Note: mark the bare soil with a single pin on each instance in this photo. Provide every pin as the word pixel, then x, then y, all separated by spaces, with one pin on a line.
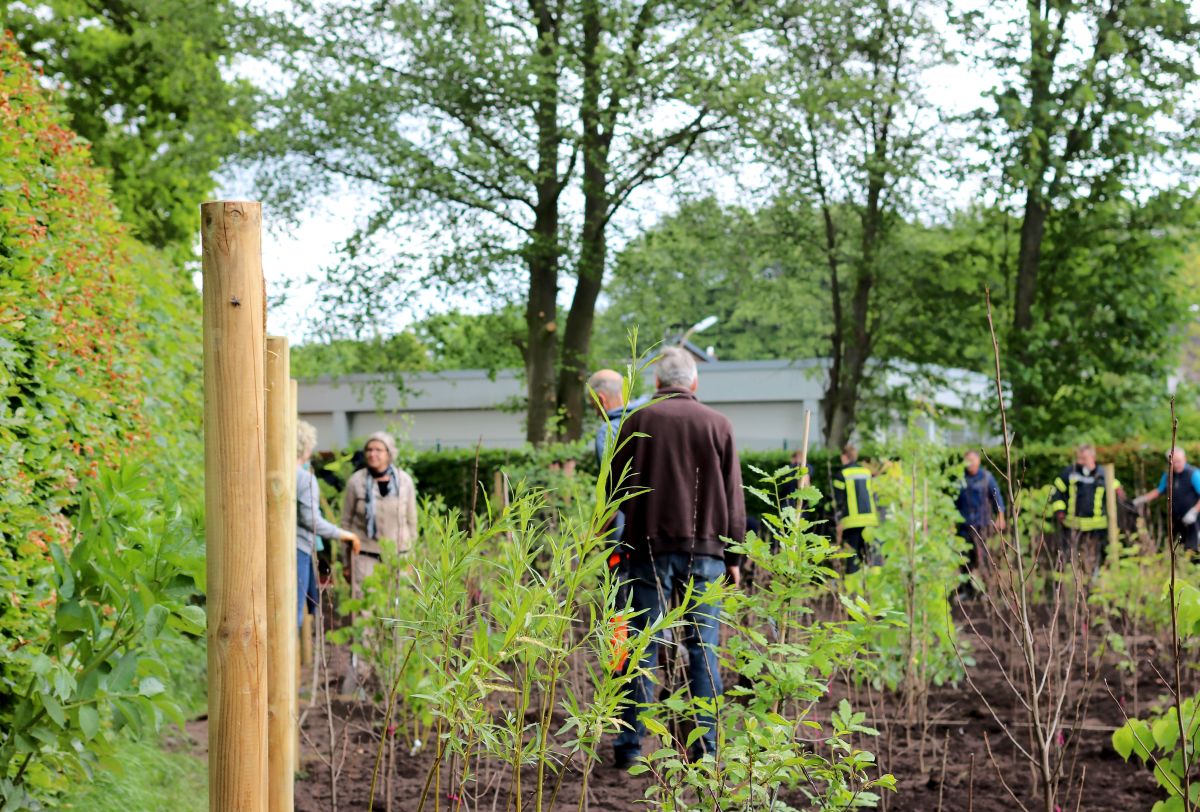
pixel 941 765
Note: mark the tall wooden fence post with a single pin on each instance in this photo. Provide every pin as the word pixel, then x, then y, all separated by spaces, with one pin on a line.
pixel 294 705
pixel 281 577
pixel 235 504
pixel 1110 503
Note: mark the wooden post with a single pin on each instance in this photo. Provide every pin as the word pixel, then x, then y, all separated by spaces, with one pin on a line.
pixel 281 578
pixel 804 448
pixel 1110 502
pixel 294 705
pixel 235 504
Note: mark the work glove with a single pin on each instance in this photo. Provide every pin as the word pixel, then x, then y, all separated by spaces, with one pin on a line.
pixel 1139 502
pixel 1189 518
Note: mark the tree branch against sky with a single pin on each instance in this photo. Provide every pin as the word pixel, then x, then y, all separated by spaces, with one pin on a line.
pixel 1092 102
pixel 514 131
pixel 847 129
pixel 144 82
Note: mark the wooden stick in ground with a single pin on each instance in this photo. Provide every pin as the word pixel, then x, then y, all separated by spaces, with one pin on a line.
pixel 1110 503
pixel 235 504
pixel 281 578
pixel 297 648
pixel 804 447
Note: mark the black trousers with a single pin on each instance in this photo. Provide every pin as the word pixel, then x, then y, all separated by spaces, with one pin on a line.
pixel 854 537
pixel 1073 542
pixel 1189 534
pixel 976 539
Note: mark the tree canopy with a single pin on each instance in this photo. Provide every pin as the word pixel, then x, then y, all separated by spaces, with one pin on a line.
pixel 144 81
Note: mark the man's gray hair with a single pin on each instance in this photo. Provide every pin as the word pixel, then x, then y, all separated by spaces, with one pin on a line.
pixel 676 367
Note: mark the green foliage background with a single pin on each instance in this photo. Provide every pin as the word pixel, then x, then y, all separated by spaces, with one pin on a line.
pixel 100 522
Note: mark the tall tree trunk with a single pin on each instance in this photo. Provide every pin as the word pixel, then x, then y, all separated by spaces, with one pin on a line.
pixel 1044 42
pixel 853 336
pixel 541 309
pixel 1029 257
pixel 593 248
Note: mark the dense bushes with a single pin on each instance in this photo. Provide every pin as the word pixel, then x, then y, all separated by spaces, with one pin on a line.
pixel 451 474
pixel 98 341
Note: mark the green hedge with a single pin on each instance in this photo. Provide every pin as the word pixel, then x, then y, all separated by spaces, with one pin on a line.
pixel 451 473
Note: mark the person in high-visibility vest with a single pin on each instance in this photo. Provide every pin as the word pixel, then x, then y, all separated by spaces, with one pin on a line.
pixel 854 500
pixel 1080 507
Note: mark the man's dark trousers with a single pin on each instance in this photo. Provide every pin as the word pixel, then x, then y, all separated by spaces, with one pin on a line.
pixel 652 585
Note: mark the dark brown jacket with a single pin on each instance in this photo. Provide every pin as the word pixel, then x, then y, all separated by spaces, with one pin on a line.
pixel 690 464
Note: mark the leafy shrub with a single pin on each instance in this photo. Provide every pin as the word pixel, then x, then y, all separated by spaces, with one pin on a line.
pixel 922 557
pixel 771 740
pixel 99 355
pixel 122 580
pixel 1157 741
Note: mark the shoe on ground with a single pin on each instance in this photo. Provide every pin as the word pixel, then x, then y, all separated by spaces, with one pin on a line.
pixel 623 761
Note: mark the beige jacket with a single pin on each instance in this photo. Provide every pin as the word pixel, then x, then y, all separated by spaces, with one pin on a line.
pixel 395 514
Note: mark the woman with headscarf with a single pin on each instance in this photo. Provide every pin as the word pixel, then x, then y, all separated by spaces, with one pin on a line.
pixel 380 507
pixel 309 522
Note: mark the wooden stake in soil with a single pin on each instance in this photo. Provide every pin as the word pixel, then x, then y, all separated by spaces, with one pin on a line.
pixel 1110 502
pixel 294 702
pixel 804 447
pixel 235 504
pixel 281 578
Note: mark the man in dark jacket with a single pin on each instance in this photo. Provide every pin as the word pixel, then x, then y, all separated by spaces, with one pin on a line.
pixel 1183 484
pixel 981 507
pixel 676 531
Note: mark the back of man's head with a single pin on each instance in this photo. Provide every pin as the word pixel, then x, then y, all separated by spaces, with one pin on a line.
pixel 849 453
pixel 609 388
pixel 677 368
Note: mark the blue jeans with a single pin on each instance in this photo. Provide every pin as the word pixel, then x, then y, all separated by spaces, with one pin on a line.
pixel 652 586
pixel 306 586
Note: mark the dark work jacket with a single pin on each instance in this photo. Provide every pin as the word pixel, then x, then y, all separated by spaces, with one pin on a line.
pixel 690 465
pixel 1183 493
pixel 979 498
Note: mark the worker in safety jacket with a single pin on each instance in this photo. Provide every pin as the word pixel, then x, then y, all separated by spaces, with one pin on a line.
pixel 1184 487
pixel 854 502
pixel 1079 503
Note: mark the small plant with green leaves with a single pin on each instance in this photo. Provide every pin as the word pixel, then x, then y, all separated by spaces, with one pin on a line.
pixel 122 581
pixel 773 747
pixel 922 559
pixel 1128 603
pixel 1158 741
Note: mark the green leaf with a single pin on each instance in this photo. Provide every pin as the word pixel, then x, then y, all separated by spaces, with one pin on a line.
pixel 192 619
pixel 121 676
pixel 1122 741
pixel 1166 731
pixel 66 578
pixel 150 686
pixel 54 710
pixel 156 619
pixel 89 721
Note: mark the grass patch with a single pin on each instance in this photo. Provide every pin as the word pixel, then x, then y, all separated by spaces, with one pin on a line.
pixel 152 779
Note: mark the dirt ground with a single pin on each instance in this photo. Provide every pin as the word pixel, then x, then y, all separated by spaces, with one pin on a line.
pixel 948 768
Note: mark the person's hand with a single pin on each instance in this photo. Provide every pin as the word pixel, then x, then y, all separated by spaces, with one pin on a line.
pixel 1000 523
pixel 1140 502
pixel 735 574
pixel 1060 517
pixel 1189 518
pixel 355 543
